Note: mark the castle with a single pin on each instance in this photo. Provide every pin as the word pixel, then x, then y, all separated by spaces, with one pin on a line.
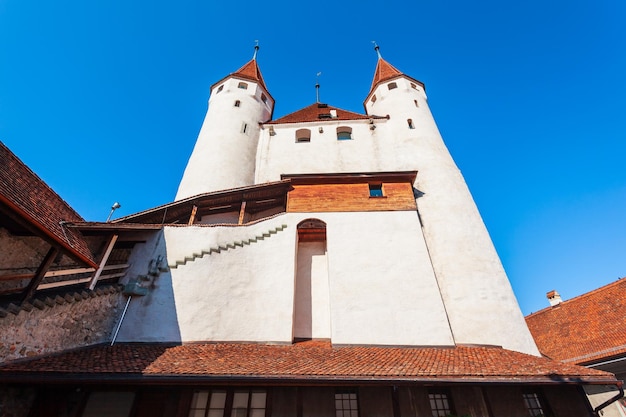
pixel 324 263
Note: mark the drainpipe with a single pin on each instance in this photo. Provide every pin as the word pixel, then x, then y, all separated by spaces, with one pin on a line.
pixel 620 394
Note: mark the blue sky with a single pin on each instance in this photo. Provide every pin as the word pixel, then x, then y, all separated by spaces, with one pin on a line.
pixel 104 101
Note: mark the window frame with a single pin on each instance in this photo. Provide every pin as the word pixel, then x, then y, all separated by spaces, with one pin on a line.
pixel 342 131
pixel 228 406
pixel 440 395
pixel 242 85
pixel 376 190
pixel 351 396
pixel 303 135
pixel 392 85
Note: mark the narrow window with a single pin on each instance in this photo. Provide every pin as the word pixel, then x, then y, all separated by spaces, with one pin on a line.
pixel 374 98
pixel 376 190
pixel 410 123
pixel 264 98
pixel 237 103
pixel 440 403
pixel 535 404
pixel 391 86
pixel 344 133
pixel 303 135
pixel 413 86
pixel 346 404
pixel 416 105
pixel 220 88
pixel 243 86
pixel 244 128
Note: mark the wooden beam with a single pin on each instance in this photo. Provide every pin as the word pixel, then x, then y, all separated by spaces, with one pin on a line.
pixel 242 212
pixel 105 258
pixel 194 210
pixel 40 274
pixel 60 272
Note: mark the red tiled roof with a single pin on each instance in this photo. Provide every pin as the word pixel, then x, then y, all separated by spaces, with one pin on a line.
pixel 251 71
pixel 385 72
pixel 300 362
pixel 32 200
pixel 312 114
pixel 583 329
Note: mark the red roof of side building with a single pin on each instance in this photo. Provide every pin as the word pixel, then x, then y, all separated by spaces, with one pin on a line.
pixel 319 112
pixel 584 329
pixel 31 200
pixel 306 362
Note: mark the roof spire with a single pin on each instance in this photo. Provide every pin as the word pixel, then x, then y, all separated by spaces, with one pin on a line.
pixel 317 87
pixel 377 49
pixel 256 49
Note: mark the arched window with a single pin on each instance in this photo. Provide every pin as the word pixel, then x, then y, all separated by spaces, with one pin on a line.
pixel 391 86
pixel 303 135
pixel 243 86
pixel 344 133
pixel 237 103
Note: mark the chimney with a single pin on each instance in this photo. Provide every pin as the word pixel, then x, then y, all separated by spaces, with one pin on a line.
pixel 554 298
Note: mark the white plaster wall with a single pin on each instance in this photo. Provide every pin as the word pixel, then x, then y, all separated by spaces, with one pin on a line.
pixel 224 155
pixel 481 306
pixel 382 287
pixel 241 294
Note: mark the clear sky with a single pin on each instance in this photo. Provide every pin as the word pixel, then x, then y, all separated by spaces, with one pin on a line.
pixel 104 101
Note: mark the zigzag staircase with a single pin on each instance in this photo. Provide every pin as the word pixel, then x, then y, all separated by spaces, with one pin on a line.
pixel 229 246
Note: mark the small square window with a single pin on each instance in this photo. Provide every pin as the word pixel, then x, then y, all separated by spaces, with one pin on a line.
pixel 391 86
pixel 243 86
pixel 374 98
pixel 237 103
pixel 376 190
pixel 413 86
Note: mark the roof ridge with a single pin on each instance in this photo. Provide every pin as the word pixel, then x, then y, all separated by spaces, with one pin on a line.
pixel 580 296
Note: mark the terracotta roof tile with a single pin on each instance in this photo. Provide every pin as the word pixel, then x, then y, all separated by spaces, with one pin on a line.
pixel 385 72
pixel 583 329
pixel 318 112
pixel 34 201
pixel 307 361
pixel 251 71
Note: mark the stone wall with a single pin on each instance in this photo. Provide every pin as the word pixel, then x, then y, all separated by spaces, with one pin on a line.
pixel 66 323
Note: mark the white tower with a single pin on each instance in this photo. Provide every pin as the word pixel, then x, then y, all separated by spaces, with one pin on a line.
pixel 225 151
pixel 479 300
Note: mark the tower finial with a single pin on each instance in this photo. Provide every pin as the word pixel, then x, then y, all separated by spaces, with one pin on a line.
pixel 256 48
pixel 377 49
pixel 317 87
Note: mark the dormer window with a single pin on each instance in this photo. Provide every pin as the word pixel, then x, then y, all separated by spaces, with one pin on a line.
pixel 243 86
pixel 303 135
pixel 344 133
pixel 391 86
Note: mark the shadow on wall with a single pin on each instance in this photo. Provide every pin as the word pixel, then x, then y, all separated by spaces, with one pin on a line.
pixel 150 304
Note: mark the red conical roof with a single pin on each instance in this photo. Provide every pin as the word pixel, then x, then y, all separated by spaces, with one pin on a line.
pixel 384 71
pixel 251 71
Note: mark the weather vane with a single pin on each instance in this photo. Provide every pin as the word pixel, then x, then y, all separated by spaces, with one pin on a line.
pixel 256 48
pixel 317 86
pixel 377 49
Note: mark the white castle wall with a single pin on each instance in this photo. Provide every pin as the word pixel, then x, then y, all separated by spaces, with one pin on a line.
pixel 381 287
pixel 225 151
pixel 481 306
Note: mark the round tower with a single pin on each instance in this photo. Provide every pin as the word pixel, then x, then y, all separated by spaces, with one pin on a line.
pixel 477 295
pixel 225 152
